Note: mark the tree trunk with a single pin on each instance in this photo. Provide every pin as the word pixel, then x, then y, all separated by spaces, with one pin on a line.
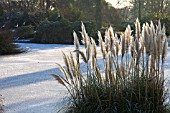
pixel 48 4
pixel 98 14
pixel 139 10
pixel 9 5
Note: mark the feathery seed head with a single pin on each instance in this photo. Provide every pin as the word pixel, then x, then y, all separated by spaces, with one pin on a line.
pixel 88 50
pixel 100 37
pixel 66 60
pixel 111 32
pixel 107 40
pixel 94 49
pixel 76 41
pixel 127 38
pixel 159 26
pixel 110 60
pixel 102 45
pixel 165 50
pixel 137 25
pixel 84 35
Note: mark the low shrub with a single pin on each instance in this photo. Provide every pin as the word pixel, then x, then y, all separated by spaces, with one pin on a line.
pixel 53 32
pixel 129 78
pixel 7 46
pixel 24 32
pixel 60 31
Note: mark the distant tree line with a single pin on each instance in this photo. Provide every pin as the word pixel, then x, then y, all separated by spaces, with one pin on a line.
pixel 155 10
pixel 144 7
pixel 29 18
pixel 146 10
pixel 56 14
pixel 72 10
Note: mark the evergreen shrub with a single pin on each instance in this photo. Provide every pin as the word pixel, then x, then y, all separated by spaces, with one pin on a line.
pixel 7 46
pixel 60 31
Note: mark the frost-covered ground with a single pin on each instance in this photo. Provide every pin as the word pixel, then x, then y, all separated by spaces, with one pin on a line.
pixel 25 82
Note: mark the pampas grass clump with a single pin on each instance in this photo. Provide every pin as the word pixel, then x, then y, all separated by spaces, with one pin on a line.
pixel 130 78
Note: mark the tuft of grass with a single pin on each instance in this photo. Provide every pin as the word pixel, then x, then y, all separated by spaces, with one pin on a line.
pixel 130 78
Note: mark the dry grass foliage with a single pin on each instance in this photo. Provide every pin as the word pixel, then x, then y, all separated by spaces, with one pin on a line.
pixel 130 79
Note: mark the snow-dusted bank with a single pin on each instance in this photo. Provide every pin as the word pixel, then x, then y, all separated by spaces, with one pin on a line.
pixel 25 84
